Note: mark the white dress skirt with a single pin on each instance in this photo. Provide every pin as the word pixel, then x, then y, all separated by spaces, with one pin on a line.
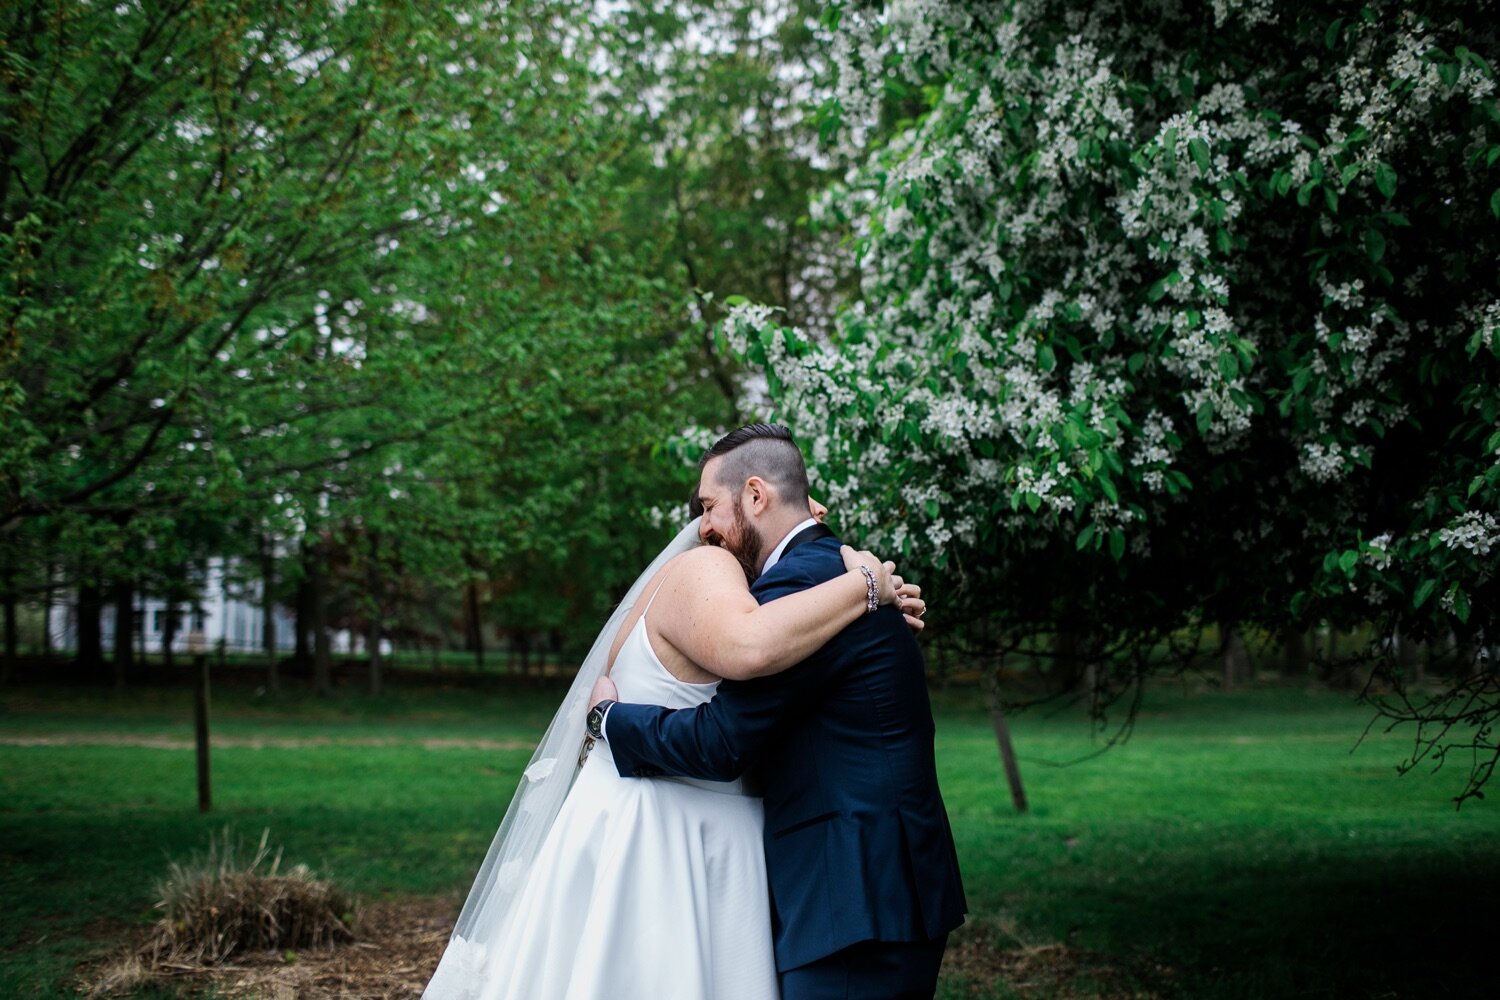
pixel 645 888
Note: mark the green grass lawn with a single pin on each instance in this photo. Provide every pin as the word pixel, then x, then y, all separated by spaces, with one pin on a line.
pixel 1235 847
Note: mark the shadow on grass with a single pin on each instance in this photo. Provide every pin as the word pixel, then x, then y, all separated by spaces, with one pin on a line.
pixel 1414 929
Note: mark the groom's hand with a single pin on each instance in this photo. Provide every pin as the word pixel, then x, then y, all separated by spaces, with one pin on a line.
pixel 604 688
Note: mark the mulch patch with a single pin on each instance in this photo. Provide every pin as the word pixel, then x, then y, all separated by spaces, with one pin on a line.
pixel 399 942
pixel 981 958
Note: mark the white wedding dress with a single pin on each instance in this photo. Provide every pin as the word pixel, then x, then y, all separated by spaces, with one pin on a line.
pixel 644 888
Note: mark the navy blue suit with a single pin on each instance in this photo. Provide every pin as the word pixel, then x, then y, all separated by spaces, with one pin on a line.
pixel 857 841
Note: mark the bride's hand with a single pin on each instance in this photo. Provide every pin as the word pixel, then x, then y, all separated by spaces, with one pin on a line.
pixel 886 580
pixel 909 600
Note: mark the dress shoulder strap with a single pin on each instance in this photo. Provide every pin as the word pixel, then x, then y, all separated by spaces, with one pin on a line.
pixel 661 583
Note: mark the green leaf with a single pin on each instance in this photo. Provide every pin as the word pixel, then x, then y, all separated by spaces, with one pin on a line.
pixel 1109 489
pixel 1033 501
pixel 1385 179
pixel 1116 543
pixel 1046 358
pixel 735 300
pixel 1331 36
pixel 1205 416
pixel 1495 203
pixel 1424 591
pixel 1460 603
pixel 1085 537
pixel 1198 149
pixel 1228 366
pixel 1348 561
pixel 1348 174
pixel 1374 244
pixel 1304 193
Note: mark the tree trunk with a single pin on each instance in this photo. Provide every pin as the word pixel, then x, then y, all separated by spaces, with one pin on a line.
pixel 1335 674
pixel 268 612
pixel 47 615
pixel 475 626
pixel 200 730
pixel 124 631
pixel 1409 656
pixel 303 652
pixel 90 637
pixel 1468 657
pixel 372 640
pixel 141 661
pixel 169 635
pixel 322 654
pixel 1068 666
pixel 1236 659
pixel 8 663
pixel 372 632
pixel 1002 739
pixel 1294 653
pixel 523 646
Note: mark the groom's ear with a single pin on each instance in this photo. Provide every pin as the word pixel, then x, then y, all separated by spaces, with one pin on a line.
pixel 759 492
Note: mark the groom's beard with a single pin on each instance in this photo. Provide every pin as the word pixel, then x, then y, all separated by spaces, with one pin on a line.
pixel 746 546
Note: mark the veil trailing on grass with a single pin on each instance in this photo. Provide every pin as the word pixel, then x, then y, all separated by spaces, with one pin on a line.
pixel 544 785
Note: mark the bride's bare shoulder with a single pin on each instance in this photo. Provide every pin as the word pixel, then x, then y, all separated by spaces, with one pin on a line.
pixel 707 559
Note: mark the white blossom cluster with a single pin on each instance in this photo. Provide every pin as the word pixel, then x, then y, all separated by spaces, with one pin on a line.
pixel 1486 326
pixel 1060 292
pixel 1474 531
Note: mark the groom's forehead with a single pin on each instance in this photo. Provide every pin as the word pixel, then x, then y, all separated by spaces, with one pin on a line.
pixel 708 479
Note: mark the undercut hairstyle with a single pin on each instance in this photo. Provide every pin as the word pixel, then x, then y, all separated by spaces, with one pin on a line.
pixel 764 450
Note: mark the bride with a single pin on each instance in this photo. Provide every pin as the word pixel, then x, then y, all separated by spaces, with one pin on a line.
pixel 598 886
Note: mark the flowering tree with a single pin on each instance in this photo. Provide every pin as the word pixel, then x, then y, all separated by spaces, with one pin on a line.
pixel 1167 310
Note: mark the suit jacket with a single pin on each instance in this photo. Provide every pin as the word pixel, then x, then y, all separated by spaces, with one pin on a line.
pixel 857 840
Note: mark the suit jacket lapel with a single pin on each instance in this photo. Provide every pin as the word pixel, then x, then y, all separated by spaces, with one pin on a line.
pixel 809 534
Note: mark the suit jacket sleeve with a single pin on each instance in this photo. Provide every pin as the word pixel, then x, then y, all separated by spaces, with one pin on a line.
pixel 720 739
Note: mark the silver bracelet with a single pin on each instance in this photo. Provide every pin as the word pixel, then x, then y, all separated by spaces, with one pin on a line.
pixel 872 592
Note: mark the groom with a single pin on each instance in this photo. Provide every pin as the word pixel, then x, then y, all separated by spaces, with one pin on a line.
pixel 864 877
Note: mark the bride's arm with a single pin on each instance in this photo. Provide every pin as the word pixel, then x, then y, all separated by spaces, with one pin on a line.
pixel 706 612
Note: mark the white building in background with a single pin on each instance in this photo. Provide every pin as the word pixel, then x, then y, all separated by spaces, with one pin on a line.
pixel 225 613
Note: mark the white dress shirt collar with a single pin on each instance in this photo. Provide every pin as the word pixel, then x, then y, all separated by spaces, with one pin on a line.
pixel 780 548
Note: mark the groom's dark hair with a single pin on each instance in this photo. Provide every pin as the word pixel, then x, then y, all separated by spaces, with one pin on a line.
pixel 764 450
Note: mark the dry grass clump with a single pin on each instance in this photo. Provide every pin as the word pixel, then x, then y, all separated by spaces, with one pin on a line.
pixel 224 902
pixel 400 941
